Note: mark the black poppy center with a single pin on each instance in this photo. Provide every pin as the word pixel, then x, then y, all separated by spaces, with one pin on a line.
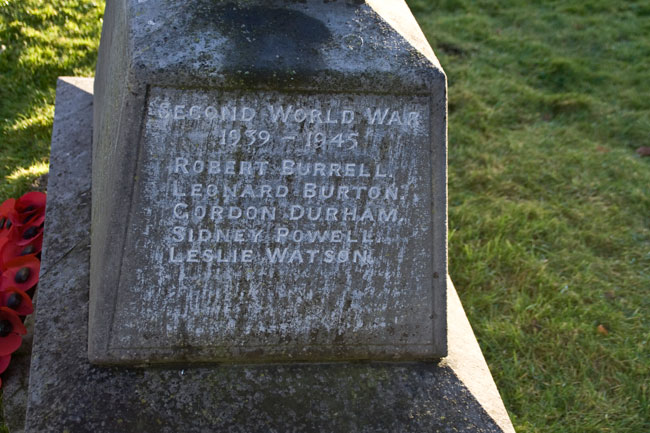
pixel 30 232
pixel 5 328
pixel 22 275
pixel 29 249
pixel 14 300
pixel 2 222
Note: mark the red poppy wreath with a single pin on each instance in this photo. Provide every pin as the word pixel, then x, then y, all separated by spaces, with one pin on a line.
pixel 21 240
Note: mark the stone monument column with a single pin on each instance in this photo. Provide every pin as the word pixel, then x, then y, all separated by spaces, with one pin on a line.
pixel 269 184
pixel 267 250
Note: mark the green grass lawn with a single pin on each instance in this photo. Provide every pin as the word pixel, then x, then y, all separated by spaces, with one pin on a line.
pixel 39 41
pixel 549 211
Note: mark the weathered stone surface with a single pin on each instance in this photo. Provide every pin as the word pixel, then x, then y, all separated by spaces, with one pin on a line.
pixel 15 381
pixel 67 393
pixel 14 393
pixel 74 190
pixel 266 191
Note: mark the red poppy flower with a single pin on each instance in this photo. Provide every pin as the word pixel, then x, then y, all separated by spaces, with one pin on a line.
pixel 31 201
pixel 21 273
pixel 11 329
pixel 17 300
pixel 4 363
pixel 31 208
pixel 32 218
pixel 11 233
pixel 8 207
pixel 8 217
pixel 11 250
pixel 27 234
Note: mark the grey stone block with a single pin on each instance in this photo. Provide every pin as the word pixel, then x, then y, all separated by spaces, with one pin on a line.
pixel 269 184
pixel 15 383
pixel 69 394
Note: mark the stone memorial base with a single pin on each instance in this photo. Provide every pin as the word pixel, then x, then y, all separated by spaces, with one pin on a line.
pixel 68 394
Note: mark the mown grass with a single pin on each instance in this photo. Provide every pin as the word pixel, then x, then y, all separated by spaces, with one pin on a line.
pixel 39 41
pixel 549 203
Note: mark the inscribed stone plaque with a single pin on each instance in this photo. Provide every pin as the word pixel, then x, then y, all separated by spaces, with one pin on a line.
pixel 277 226
pixel 265 191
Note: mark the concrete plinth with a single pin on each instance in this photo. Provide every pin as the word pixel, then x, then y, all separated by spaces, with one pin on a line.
pixel 68 394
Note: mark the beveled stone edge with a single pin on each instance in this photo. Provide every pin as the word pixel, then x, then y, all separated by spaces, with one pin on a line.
pixel 468 363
